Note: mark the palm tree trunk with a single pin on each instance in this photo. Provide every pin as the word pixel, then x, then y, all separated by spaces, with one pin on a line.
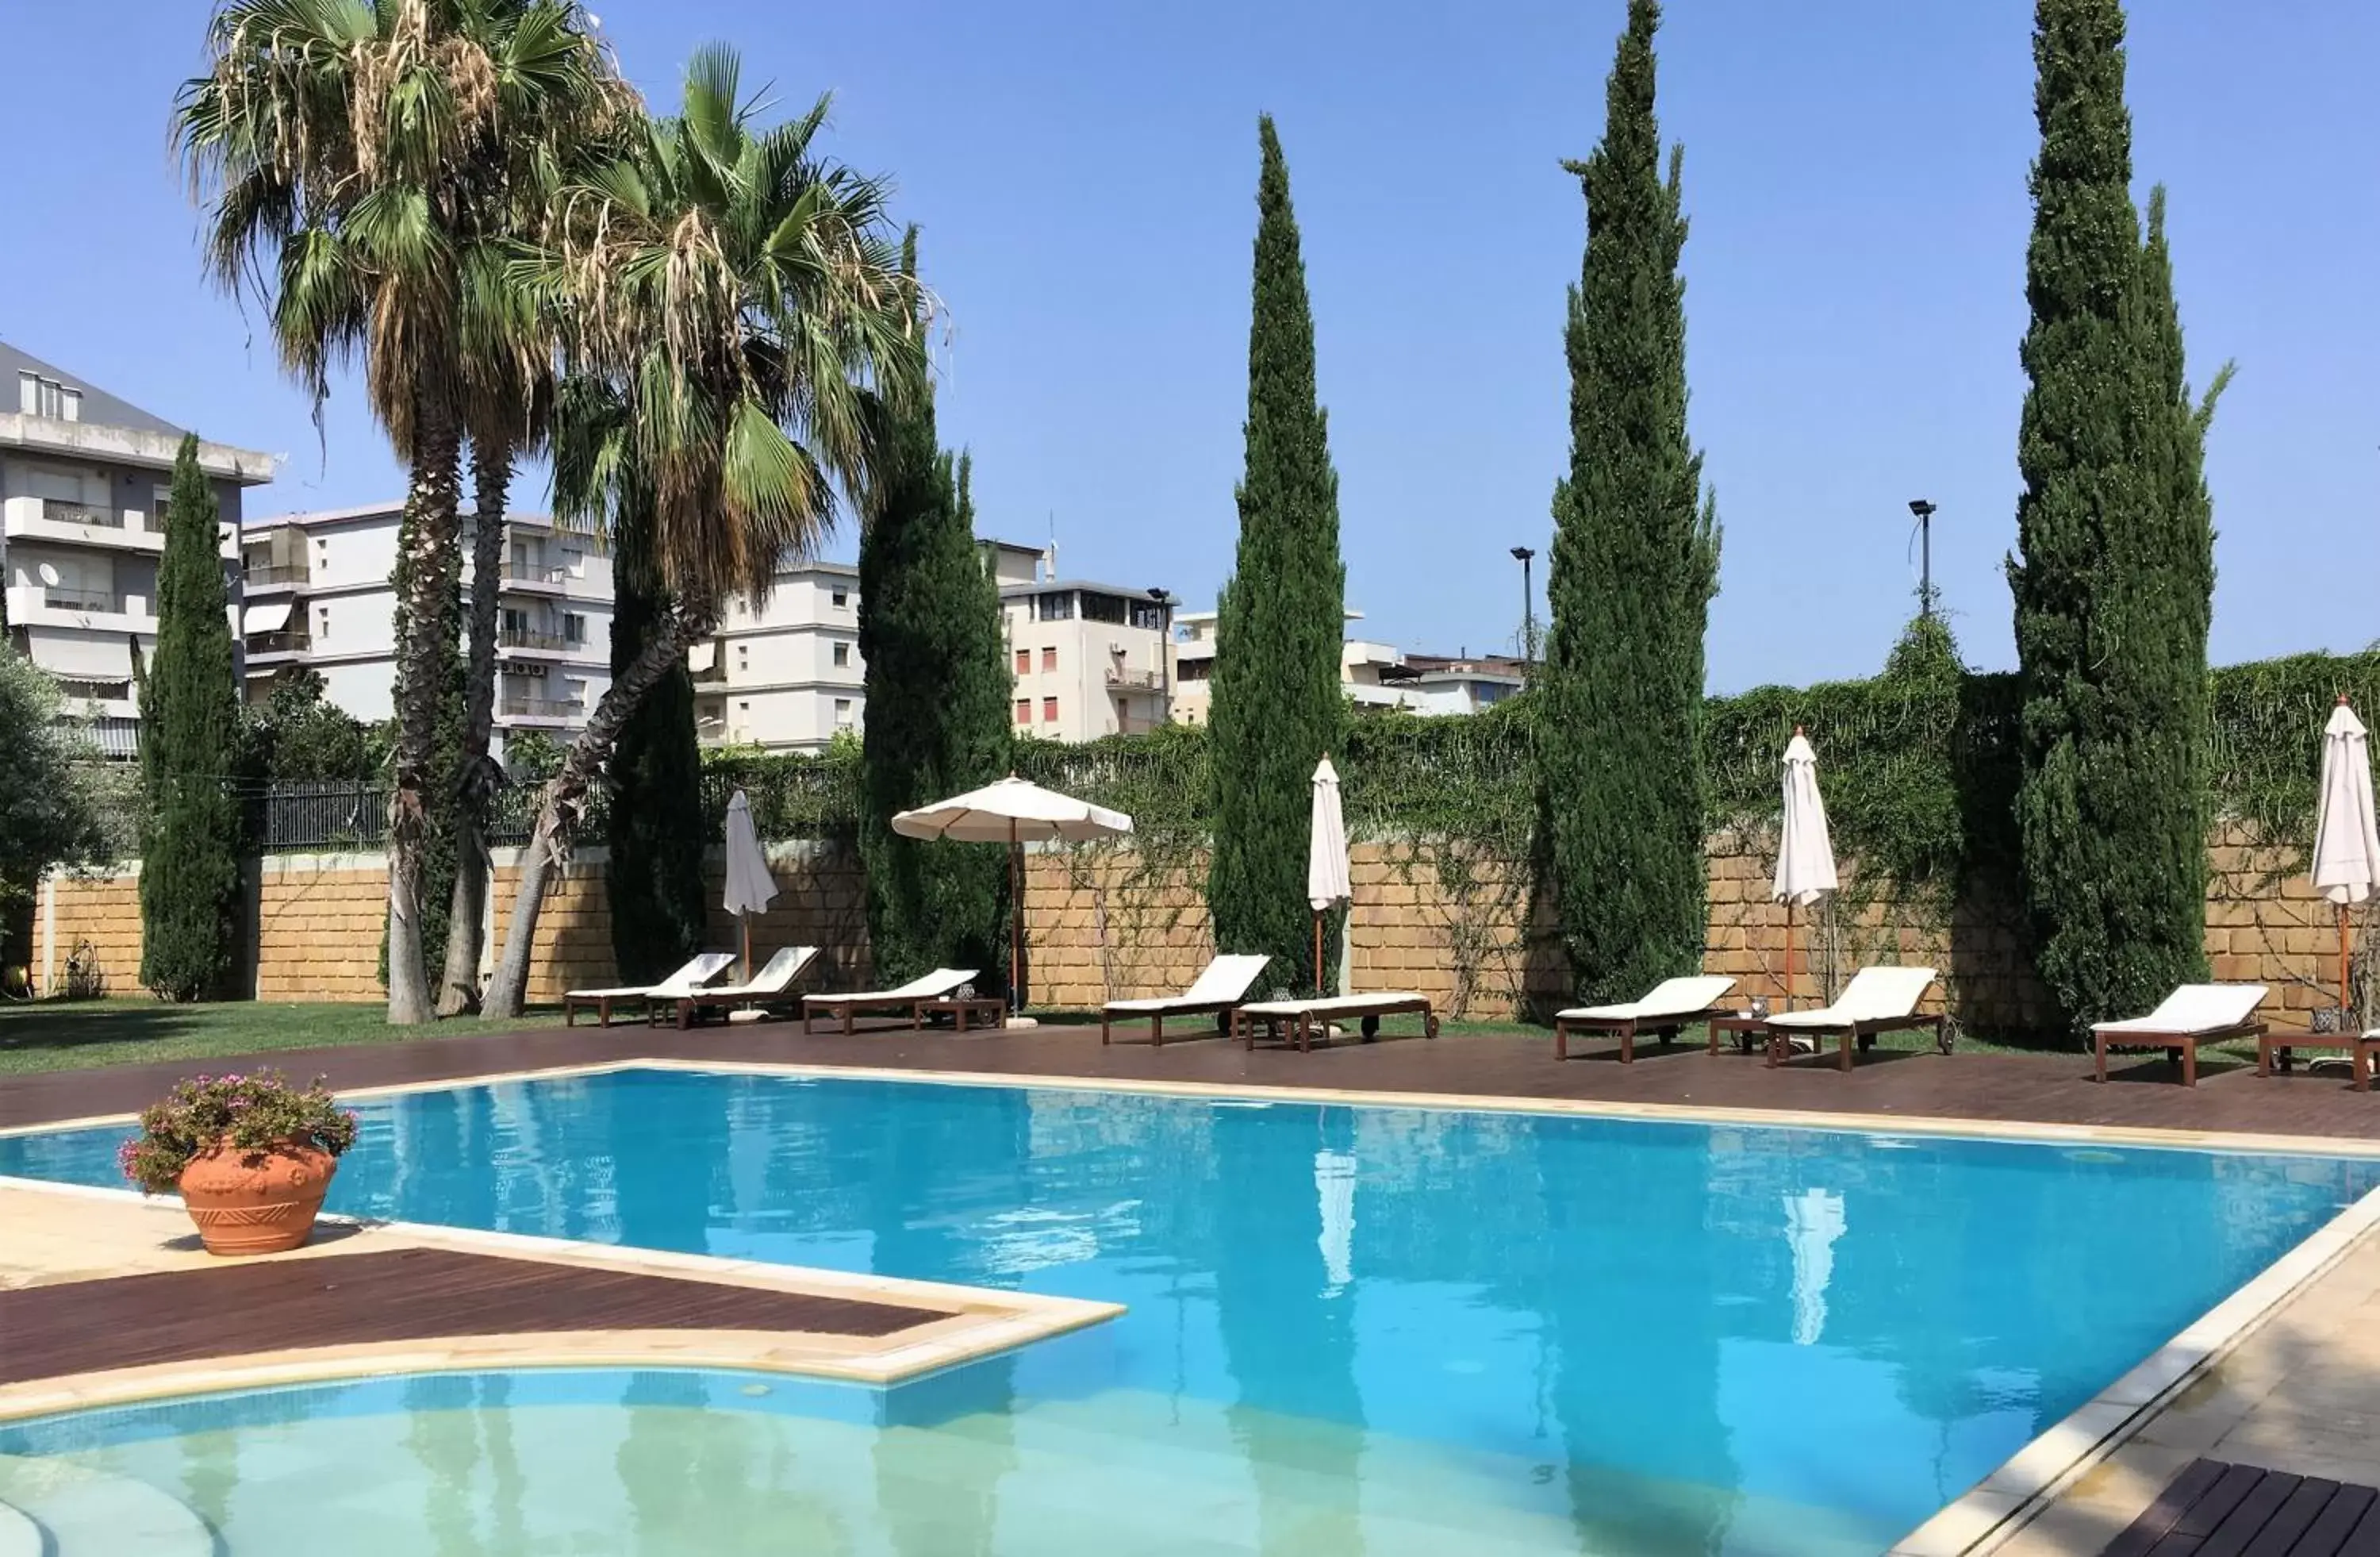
pixel 491 475
pixel 565 799
pixel 425 575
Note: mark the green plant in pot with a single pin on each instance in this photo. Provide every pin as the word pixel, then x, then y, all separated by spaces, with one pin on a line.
pixel 251 1157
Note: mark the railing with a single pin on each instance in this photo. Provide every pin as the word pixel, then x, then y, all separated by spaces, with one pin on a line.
pixel 540 708
pixel 59 512
pixel 75 600
pixel 280 573
pixel 522 573
pixel 521 637
pixel 1135 680
pixel 279 643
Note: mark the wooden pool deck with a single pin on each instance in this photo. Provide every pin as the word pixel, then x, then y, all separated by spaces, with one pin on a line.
pixel 2036 1088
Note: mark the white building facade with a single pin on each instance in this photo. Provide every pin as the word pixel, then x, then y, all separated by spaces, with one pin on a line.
pixel 1088 659
pixel 318 595
pixel 84 480
pixel 1374 675
pixel 787 676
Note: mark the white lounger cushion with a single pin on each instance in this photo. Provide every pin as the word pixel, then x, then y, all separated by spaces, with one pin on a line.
pixel 1335 1005
pixel 1874 994
pixel 1672 997
pixel 940 982
pixel 773 978
pixel 701 970
pixel 1225 981
pixel 2195 1008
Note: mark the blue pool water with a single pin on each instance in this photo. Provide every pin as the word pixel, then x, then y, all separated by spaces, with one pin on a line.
pixel 1349 1329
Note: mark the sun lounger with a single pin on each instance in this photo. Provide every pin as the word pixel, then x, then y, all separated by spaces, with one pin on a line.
pixel 1674 1004
pixel 1877 1000
pixel 768 986
pixel 1300 1017
pixel 1223 985
pixel 2192 1015
pixel 698 972
pixel 913 997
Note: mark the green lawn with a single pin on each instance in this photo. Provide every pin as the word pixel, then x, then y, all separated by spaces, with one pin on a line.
pixel 74 1035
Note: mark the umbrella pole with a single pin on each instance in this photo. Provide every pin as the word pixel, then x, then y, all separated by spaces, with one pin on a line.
pixel 1319 988
pixel 745 921
pixel 1789 953
pixel 2345 1005
pixel 1017 922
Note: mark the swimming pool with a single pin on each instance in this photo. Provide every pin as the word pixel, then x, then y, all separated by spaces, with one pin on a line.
pixel 1348 1328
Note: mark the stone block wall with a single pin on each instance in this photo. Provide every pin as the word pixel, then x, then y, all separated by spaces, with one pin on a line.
pixel 1104 922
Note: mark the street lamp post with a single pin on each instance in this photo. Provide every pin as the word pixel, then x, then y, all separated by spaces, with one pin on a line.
pixel 1924 512
pixel 1523 555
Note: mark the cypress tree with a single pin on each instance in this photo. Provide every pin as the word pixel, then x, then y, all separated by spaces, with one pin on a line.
pixel 654 879
pixel 2115 571
pixel 1635 562
pixel 937 682
pixel 190 746
pixel 1278 707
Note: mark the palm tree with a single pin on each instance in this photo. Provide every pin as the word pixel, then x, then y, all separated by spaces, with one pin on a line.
pixel 346 154
pixel 741 302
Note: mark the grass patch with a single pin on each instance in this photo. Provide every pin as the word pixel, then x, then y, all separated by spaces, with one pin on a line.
pixel 77 1034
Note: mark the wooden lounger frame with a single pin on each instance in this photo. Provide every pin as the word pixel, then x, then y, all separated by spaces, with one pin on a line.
pixel 1219 1009
pixel 2181 1047
pixel 1853 1035
pixel 1628 1029
pixel 1301 1025
pixel 918 1006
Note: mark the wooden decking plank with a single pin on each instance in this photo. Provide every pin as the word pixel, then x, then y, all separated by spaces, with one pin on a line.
pixel 2232 1536
pixel 2364 1539
pixel 2215 1504
pixel 2143 1534
pixel 2292 1519
pixel 393 1295
pixel 2327 1537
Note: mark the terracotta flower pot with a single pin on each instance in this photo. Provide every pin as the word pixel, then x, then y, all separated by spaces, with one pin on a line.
pixel 257 1201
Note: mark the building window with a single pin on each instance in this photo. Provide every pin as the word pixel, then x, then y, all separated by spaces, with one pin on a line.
pixel 574 628
pixel 843 656
pixel 842 713
pixel 1148 616
pixel 1048 710
pixel 1059 607
pixel 323 621
pixel 842 596
pixel 1024 661
pixel 743 656
pixel 1049 660
pixel 1194 670
pixel 1103 608
pixel 47 398
pixel 1025 710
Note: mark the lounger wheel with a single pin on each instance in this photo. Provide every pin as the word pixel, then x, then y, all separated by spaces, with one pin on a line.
pixel 1942 1038
pixel 1866 1042
pixel 1371 1029
pixel 1223 1022
pixel 1429 1024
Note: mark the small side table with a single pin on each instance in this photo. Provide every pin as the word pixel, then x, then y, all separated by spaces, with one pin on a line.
pixel 1743 1027
pixel 2278 1046
pixel 992 1007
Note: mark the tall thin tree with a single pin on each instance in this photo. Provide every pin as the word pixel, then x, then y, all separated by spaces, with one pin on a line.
pixel 1635 562
pixel 937 692
pixel 189 747
pixel 2115 566
pixel 1278 707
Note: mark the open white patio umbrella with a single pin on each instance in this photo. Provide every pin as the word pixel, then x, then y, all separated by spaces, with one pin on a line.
pixel 1012 812
pixel 1805 855
pixel 1326 859
pixel 2345 847
pixel 750 886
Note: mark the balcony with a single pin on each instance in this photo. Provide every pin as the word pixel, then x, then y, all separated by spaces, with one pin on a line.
pixel 555 708
pixel 264 645
pixel 543 580
pixel 545 643
pixel 80 599
pixel 87 524
pixel 278 574
pixel 1125 680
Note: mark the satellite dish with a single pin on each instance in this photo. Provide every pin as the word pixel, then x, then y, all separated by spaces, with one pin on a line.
pixel 50 574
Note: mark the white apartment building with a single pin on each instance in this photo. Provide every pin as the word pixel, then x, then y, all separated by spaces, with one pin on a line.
pixel 1376 676
pixel 318 595
pixel 84 479
pixel 1089 658
pixel 786 676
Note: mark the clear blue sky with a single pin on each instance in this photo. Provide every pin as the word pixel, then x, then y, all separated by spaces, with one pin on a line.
pixel 1085 178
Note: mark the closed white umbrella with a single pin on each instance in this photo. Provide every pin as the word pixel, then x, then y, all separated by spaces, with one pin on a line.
pixel 1805 855
pixel 1814 1220
pixel 1326 858
pixel 750 886
pixel 2346 846
pixel 1012 812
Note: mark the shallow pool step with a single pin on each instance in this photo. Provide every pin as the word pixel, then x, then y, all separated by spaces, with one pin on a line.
pixel 19 1536
pixel 87 1512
